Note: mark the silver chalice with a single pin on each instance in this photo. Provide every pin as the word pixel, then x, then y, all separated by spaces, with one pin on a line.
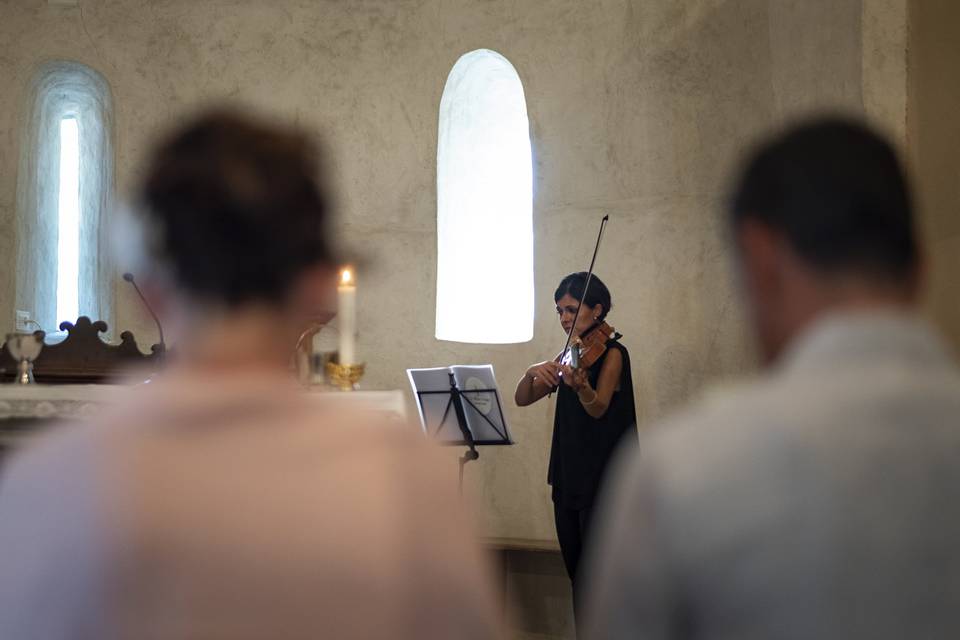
pixel 25 347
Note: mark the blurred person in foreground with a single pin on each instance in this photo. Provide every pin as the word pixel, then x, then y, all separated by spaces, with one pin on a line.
pixel 214 502
pixel 820 500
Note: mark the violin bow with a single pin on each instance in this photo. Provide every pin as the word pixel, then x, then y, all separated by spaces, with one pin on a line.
pixel 586 287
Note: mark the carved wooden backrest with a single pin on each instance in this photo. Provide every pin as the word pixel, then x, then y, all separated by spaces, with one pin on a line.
pixel 83 357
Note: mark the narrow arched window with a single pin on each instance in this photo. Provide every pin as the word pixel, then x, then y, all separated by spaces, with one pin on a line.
pixel 64 185
pixel 484 204
pixel 68 222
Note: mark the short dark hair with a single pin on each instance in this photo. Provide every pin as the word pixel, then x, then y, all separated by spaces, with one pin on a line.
pixel 836 191
pixel 598 293
pixel 236 207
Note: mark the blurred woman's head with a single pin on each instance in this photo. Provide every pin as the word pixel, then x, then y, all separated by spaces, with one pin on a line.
pixel 235 209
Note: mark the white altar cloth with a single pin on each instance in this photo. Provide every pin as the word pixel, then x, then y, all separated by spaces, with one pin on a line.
pixel 79 400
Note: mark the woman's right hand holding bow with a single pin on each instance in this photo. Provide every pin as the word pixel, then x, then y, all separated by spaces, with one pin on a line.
pixel 537 381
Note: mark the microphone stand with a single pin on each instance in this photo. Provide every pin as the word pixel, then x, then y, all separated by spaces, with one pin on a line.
pixel 163 345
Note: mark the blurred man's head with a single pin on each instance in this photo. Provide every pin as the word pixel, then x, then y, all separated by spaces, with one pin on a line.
pixel 237 219
pixel 822 221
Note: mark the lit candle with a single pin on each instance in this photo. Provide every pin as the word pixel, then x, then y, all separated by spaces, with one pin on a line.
pixel 347 316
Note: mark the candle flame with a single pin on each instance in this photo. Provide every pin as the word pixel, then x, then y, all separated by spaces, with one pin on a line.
pixel 346 277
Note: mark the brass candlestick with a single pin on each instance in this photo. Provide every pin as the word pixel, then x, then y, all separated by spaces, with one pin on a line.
pixel 345 376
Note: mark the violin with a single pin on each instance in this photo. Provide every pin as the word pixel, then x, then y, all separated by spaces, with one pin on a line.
pixel 592 343
pixel 587 348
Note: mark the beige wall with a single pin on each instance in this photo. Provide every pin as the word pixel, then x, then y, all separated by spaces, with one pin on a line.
pixel 934 142
pixel 884 51
pixel 637 109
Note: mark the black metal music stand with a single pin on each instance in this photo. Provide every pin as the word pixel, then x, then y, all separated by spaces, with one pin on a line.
pixel 455 402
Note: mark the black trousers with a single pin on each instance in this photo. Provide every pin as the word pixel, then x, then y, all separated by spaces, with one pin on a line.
pixel 572 528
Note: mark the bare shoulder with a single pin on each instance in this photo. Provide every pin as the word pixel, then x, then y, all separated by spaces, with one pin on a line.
pixel 614 358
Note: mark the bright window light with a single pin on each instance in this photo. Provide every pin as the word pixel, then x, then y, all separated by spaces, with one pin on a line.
pixel 484 204
pixel 68 244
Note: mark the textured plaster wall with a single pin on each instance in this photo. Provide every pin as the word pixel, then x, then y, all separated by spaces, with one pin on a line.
pixel 934 140
pixel 885 43
pixel 637 109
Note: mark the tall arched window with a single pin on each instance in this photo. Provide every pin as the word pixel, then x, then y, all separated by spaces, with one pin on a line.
pixel 484 204
pixel 63 187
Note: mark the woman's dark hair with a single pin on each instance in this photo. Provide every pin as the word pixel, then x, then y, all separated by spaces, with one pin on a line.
pixel 597 294
pixel 837 193
pixel 236 208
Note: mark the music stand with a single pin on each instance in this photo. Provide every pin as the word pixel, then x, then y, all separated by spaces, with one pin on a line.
pixel 471 416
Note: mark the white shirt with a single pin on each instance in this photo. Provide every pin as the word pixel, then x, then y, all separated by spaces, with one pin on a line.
pixel 231 509
pixel 820 501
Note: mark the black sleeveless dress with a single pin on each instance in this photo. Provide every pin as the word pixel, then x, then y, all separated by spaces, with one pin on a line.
pixel 582 445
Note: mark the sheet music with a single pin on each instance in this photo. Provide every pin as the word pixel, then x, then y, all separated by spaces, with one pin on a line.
pixel 482 409
pixel 431 406
pixel 481 405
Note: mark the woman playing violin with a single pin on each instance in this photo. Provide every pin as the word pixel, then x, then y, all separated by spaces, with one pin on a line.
pixel 594 411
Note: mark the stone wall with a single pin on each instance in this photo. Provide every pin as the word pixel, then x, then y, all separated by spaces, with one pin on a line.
pixel 934 141
pixel 637 109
